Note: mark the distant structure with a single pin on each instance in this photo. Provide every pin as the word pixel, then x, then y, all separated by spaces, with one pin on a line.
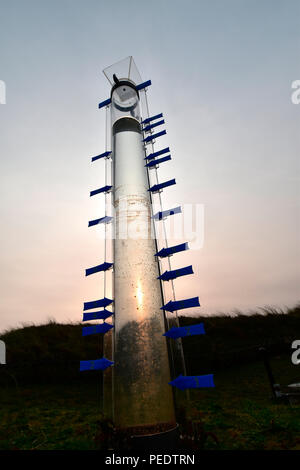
pixel 143 352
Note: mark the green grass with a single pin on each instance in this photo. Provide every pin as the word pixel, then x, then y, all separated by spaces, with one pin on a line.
pixel 46 403
pixel 50 417
pixel 239 413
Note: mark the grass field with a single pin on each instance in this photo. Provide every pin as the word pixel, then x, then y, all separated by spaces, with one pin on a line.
pixel 237 414
pixel 46 403
pixel 241 413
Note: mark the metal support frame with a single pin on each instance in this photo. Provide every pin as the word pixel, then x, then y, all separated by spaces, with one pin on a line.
pixel 178 342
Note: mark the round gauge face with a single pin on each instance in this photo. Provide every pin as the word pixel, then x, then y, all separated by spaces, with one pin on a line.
pixel 125 98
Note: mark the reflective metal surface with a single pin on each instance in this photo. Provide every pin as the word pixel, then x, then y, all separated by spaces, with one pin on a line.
pixel 142 396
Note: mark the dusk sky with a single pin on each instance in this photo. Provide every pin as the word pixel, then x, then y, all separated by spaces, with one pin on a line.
pixel 221 73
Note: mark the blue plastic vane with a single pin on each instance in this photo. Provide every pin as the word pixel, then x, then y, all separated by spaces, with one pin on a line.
pixel 102 220
pixel 193 381
pixel 96 269
pixel 160 186
pixel 154 136
pixel 143 85
pixel 169 275
pixel 105 189
pixel 97 364
pixel 163 214
pixel 156 154
pixel 157 161
pixel 102 155
pixel 97 303
pixel 183 331
pixel 172 249
pixel 104 103
pixel 92 330
pixel 151 126
pixel 152 118
pixel 100 315
pixel 172 306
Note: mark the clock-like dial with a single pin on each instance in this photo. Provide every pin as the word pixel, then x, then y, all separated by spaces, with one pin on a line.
pixel 125 98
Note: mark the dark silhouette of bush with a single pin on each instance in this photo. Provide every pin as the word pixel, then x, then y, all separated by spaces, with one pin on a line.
pixel 50 353
pixel 235 340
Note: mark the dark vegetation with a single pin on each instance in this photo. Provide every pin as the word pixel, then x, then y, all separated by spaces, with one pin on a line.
pixel 46 403
pixel 235 340
pixel 51 353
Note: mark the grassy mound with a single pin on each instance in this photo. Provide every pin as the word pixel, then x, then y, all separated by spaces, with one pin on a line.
pixel 48 404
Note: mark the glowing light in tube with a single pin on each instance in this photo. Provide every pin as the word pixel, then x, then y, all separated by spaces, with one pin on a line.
pixel 139 295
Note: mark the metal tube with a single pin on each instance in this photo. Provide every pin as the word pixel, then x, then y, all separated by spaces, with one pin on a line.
pixel 143 400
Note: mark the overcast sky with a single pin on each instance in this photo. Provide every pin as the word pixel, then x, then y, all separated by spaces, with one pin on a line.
pixel 221 73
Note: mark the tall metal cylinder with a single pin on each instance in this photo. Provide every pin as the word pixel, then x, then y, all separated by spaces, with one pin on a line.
pixel 143 400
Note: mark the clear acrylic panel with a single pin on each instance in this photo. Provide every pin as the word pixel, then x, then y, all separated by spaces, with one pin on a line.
pixel 126 69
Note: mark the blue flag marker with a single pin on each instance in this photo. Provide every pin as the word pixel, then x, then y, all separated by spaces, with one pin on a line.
pixel 163 214
pixel 183 331
pixel 92 330
pixel 102 220
pixel 143 85
pixel 172 306
pixel 97 303
pixel 102 155
pixel 154 136
pixel 156 154
pixel 151 126
pixel 97 364
pixel 169 275
pixel 105 189
pixel 157 161
pixel 100 315
pixel 152 118
pixel 157 187
pixel 96 269
pixel 193 381
pixel 172 250
pixel 104 103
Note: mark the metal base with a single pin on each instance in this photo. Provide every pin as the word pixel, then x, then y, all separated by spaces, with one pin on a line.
pixel 162 441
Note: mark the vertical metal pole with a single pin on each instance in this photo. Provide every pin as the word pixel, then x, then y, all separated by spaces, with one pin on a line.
pixel 174 321
pixel 108 338
pixel 143 399
pixel 170 349
pixel 264 355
